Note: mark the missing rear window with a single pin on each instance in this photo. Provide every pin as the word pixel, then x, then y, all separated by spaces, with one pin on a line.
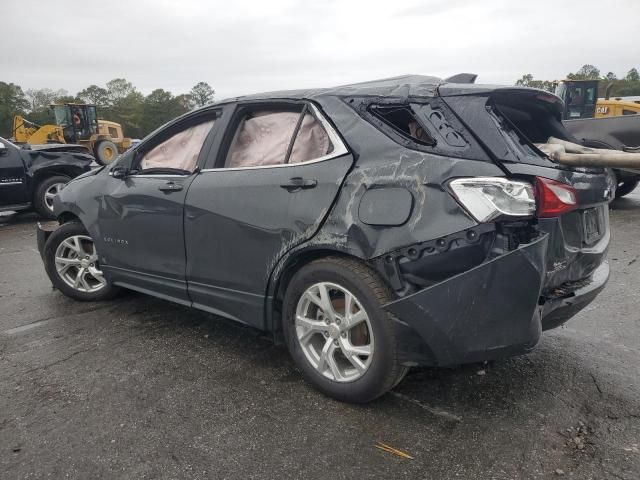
pixel 403 121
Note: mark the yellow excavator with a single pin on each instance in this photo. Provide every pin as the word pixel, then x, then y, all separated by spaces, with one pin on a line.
pixel 76 123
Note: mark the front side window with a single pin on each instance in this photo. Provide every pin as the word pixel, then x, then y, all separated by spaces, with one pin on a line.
pixel 180 151
pixel 267 138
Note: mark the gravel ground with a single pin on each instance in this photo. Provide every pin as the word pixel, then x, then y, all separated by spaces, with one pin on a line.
pixel 141 388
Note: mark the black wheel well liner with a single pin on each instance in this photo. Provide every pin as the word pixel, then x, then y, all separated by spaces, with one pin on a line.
pixel 66 217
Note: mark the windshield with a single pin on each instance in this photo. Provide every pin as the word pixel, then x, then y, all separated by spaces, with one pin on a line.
pixel 62 115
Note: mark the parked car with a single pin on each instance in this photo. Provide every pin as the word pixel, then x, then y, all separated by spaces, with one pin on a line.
pixel 30 177
pixel 371 227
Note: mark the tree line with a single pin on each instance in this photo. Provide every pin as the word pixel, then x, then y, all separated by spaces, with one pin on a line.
pixel 119 101
pixel 627 86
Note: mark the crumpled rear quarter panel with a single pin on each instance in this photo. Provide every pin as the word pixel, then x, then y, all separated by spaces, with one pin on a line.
pixel 382 163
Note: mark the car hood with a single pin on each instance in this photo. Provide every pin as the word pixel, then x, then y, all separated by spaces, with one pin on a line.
pixel 57 147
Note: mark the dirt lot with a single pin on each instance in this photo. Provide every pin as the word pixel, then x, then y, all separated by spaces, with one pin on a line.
pixel 141 388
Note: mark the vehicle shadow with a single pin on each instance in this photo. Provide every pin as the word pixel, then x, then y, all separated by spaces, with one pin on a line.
pixel 19 218
pixel 630 202
pixel 557 375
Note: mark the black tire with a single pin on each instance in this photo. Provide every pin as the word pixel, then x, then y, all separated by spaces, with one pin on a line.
pixel 40 200
pixel 67 231
pixel 626 187
pixel 105 152
pixel 384 371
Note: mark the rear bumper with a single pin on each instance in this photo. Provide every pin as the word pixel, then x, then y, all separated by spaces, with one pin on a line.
pixel 487 312
pixel 557 311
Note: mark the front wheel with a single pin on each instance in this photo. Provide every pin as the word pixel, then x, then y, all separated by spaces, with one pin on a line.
pixel 73 266
pixel 337 332
pixel 45 192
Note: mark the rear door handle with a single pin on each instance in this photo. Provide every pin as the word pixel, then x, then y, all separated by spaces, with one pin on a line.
pixel 170 187
pixel 299 183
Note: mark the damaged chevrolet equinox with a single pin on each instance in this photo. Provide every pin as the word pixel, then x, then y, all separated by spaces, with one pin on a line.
pixel 371 227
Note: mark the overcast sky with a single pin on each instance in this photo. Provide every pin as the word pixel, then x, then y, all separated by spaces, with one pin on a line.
pixel 244 47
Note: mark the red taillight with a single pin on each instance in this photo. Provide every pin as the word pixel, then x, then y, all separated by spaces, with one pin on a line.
pixel 554 198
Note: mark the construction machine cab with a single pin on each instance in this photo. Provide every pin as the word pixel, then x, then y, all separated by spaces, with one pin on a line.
pixel 580 98
pixel 78 121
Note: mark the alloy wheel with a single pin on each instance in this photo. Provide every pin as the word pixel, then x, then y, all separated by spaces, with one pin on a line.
pixel 50 194
pixel 76 262
pixel 334 332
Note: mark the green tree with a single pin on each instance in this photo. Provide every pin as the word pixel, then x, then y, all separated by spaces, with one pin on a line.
pixel 160 106
pixel 202 94
pixel 586 72
pixel 632 75
pixel 611 77
pixel 185 101
pixel 528 81
pixel 12 102
pixel 119 88
pixel 41 98
pixel 128 112
pixel 66 99
pixel 123 104
pixel 94 94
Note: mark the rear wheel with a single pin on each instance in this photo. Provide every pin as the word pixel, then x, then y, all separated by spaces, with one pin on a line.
pixel 626 187
pixel 106 152
pixel 337 332
pixel 73 266
pixel 45 192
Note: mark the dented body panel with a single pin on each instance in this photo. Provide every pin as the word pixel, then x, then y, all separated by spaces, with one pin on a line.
pixel 21 169
pixel 230 239
pixel 488 311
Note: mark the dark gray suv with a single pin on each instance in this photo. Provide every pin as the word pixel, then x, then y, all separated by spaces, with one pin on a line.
pixel 371 227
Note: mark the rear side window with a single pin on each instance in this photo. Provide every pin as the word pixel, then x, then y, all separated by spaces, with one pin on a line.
pixel 268 138
pixel 403 120
pixel 426 125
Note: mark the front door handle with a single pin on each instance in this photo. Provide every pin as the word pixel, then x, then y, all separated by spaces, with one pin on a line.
pixel 299 183
pixel 170 187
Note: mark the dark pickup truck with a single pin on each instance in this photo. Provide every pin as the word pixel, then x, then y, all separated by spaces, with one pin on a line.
pixel 618 133
pixel 31 177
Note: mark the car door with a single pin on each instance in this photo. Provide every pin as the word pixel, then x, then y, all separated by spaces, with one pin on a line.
pixel 13 188
pixel 141 215
pixel 267 188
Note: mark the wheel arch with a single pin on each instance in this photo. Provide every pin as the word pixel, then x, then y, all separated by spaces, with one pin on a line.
pixel 284 272
pixel 66 217
pixel 70 171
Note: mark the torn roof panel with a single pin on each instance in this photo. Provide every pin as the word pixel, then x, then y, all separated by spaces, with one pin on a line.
pixel 401 86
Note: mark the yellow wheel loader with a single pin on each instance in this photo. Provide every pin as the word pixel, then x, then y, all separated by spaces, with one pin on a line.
pixel 581 101
pixel 76 123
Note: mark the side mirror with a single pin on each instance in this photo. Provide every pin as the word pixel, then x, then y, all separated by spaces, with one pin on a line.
pixel 3 149
pixel 119 172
